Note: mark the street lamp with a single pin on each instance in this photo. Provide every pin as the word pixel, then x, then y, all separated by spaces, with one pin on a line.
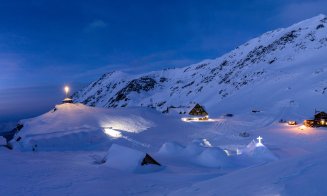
pixel 67 99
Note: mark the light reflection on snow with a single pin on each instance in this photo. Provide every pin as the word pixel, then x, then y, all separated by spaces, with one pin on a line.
pixel 112 133
pixel 132 124
pixel 197 120
pixel 300 129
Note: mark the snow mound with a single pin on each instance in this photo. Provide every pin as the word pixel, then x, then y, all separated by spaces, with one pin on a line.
pixel 259 152
pixel 199 154
pixel 171 149
pixel 78 127
pixel 213 157
pixel 193 149
pixel 125 159
pixel 195 153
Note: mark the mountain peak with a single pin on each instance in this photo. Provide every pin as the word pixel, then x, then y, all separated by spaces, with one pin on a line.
pixel 262 59
pixel 319 17
pixel 311 22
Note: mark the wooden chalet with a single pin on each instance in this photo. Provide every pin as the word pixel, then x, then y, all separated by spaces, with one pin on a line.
pixel 321 116
pixel 320 120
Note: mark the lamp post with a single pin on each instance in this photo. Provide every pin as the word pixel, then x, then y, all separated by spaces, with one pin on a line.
pixel 67 99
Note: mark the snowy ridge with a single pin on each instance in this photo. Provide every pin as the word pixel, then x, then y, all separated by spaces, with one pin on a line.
pixel 263 59
pixel 77 127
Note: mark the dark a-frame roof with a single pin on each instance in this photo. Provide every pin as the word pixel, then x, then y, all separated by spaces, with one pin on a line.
pixel 198 110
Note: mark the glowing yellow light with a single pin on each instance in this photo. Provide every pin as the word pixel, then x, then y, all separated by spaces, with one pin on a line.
pixel 322 122
pixel 66 89
pixel 292 122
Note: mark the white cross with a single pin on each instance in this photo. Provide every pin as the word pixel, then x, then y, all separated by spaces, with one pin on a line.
pixel 259 139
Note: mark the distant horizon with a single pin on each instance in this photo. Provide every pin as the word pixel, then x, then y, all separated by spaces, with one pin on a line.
pixel 41 51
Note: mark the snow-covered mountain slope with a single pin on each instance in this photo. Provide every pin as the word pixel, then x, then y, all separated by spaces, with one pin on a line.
pixel 287 63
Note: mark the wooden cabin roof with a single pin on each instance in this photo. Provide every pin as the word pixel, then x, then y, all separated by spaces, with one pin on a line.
pixel 321 115
pixel 198 110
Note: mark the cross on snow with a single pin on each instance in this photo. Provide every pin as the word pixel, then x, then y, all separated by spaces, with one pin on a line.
pixel 259 139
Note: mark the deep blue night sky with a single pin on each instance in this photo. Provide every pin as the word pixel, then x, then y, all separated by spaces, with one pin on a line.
pixel 46 44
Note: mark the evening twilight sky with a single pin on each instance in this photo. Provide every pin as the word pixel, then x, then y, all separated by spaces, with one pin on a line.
pixel 47 44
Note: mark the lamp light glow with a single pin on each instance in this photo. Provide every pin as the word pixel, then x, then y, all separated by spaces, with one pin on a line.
pixel 302 127
pixel 66 89
pixel 322 122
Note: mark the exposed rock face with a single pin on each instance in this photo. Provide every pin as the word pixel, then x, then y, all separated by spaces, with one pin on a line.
pixel 140 85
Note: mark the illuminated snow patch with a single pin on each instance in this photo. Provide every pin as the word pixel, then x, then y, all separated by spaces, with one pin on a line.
pixel 112 133
pixel 198 120
pixel 302 127
pixel 127 123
